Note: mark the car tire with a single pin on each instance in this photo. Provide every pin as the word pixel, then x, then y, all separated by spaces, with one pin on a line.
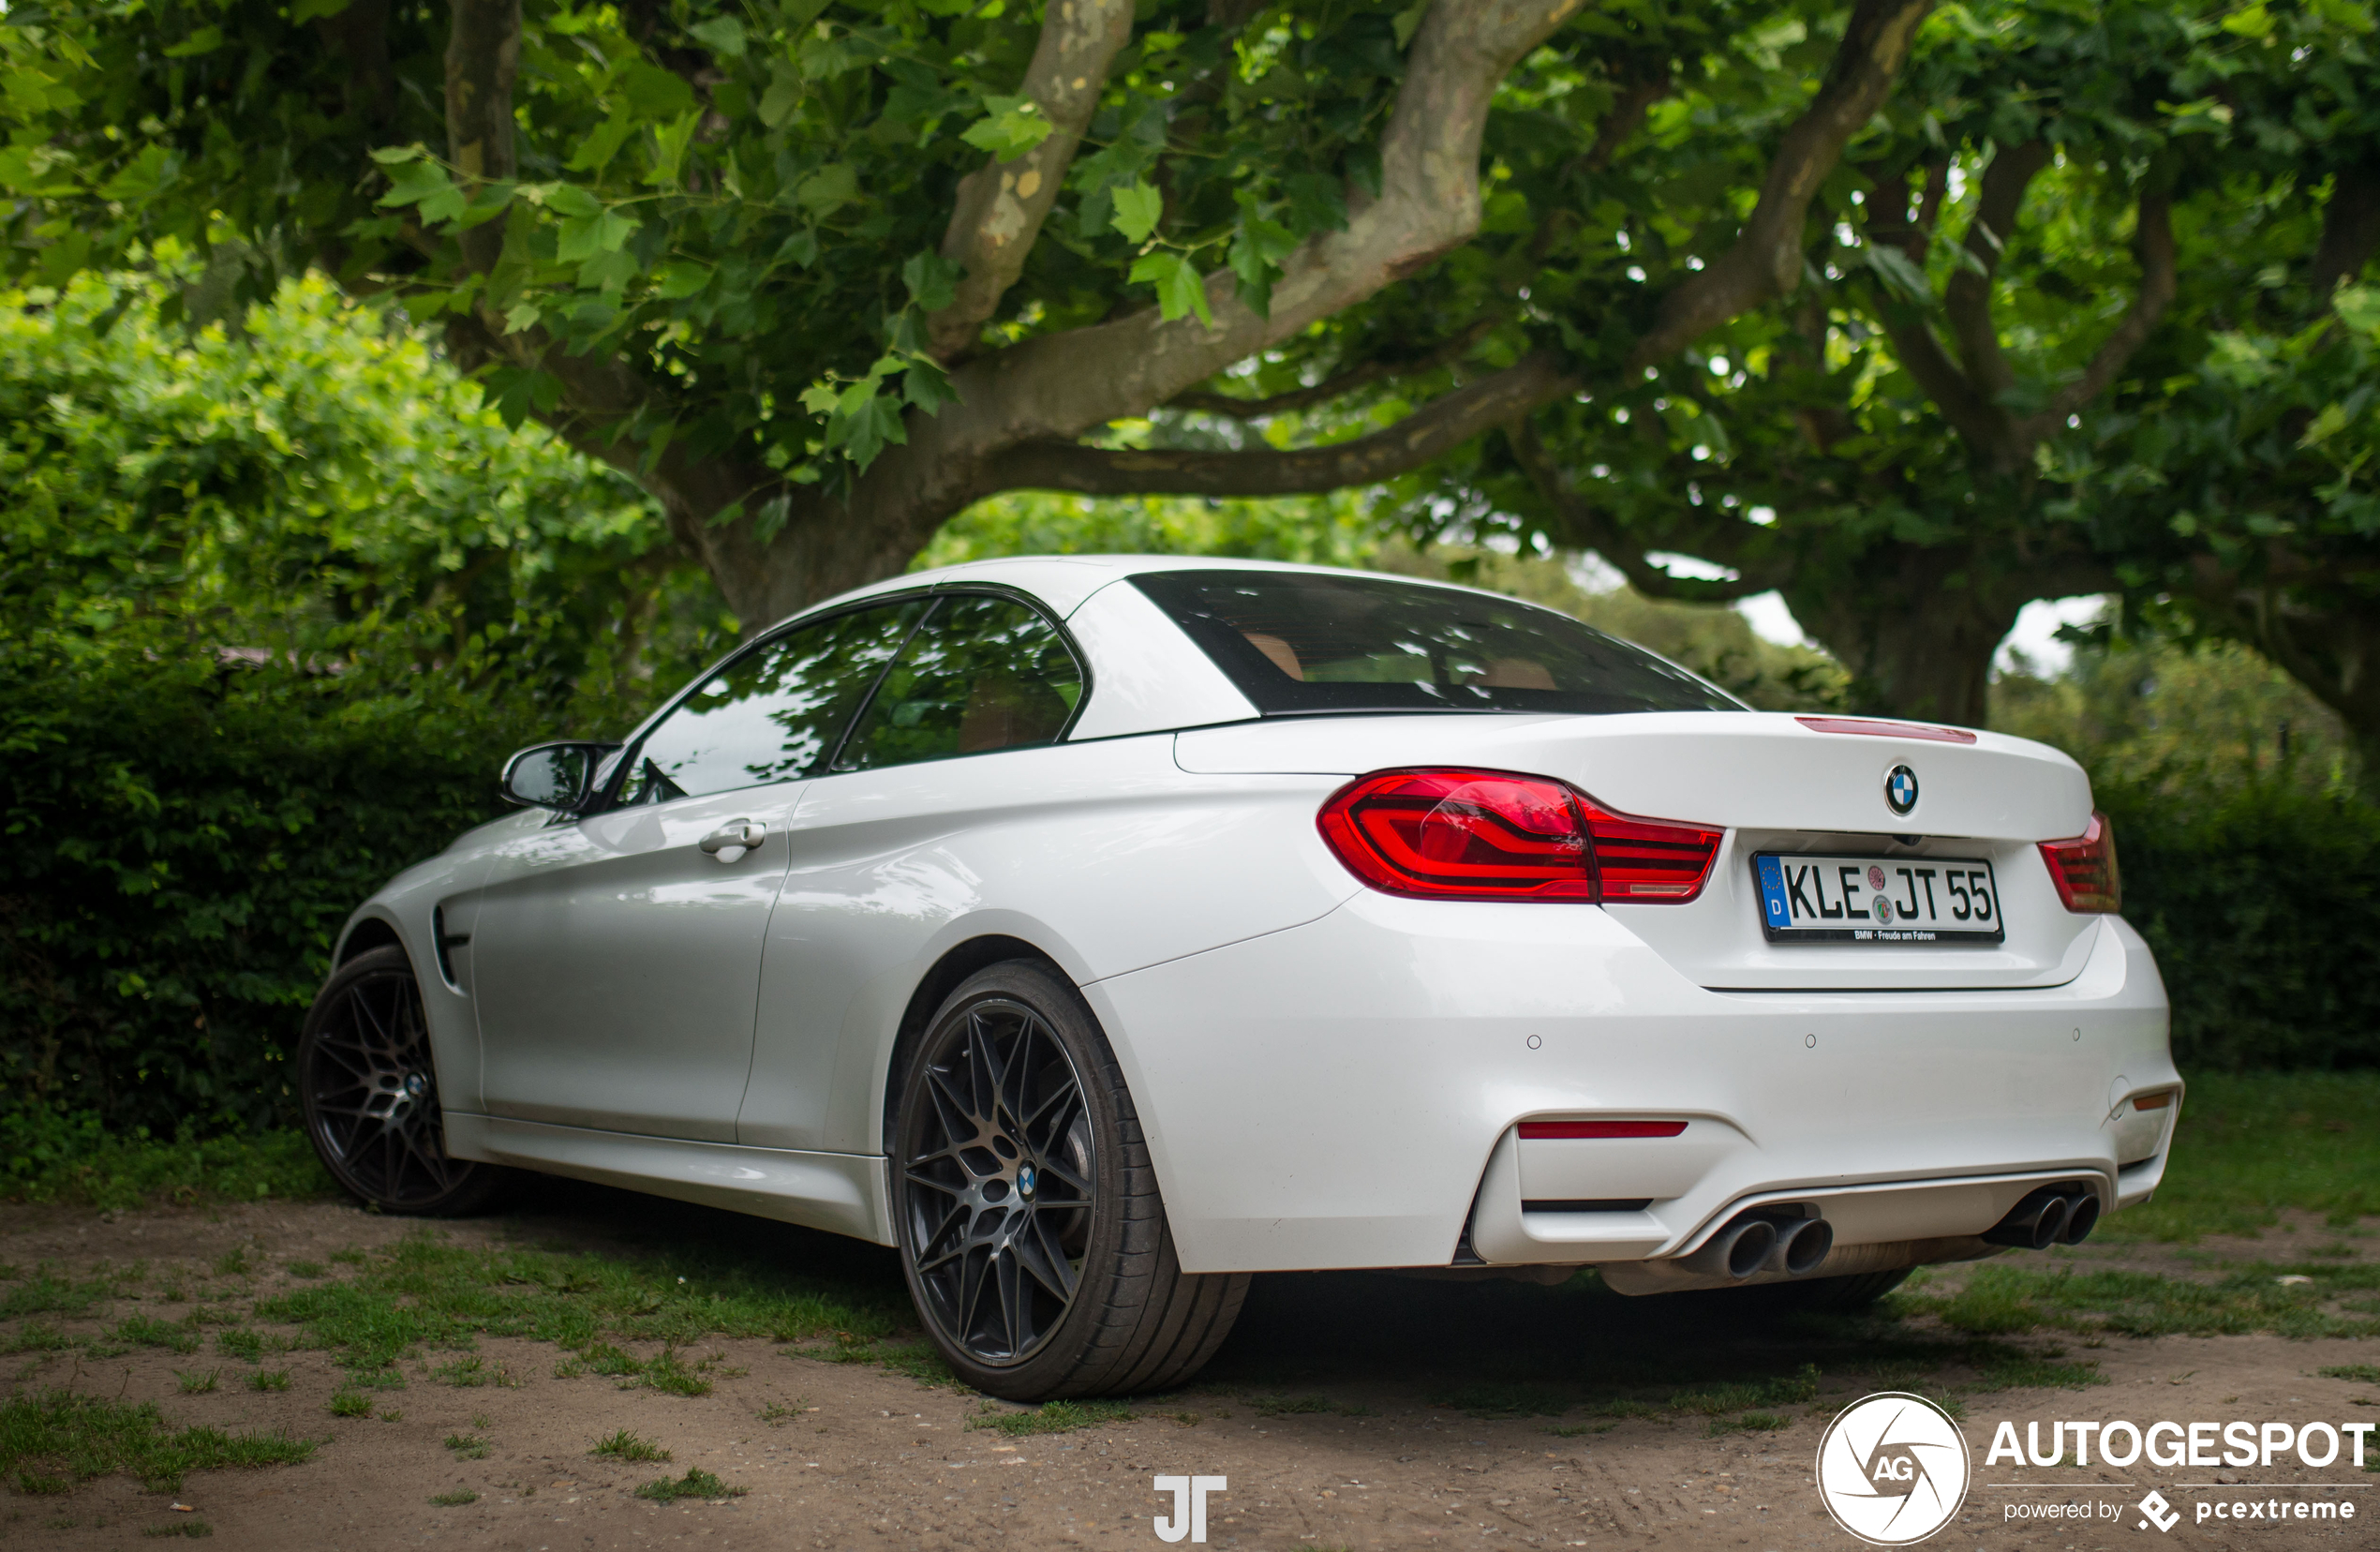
pixel 367 1094
pixel 1031 1229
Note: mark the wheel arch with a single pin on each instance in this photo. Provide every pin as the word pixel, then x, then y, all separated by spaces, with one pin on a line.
pixel 364 934
pixel 941 979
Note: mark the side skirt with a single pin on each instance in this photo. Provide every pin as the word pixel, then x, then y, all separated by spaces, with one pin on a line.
pixel 841 1193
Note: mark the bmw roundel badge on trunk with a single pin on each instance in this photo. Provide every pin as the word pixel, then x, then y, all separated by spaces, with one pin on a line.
pixel 1901 789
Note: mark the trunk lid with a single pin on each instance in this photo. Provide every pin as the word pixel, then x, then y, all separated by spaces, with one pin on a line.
pixel 1783 784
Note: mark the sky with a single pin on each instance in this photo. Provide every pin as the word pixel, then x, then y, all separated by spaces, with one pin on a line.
pixel 2034 636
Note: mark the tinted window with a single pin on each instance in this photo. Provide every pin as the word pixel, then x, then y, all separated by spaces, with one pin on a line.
pixel 773 713
pixel 1293 642
pixel 980 674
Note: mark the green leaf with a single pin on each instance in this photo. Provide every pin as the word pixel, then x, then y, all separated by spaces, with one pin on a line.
pixel 2332 421
pixel 1316 203
pixel 654 93
pixel 721 34
pixel 927 386
pixel 2358 306
pixel 1179 286
pixel 2254 21
pixel 204 41
pixel 1898 272
pixel 411 183
pixel 819 398
pixel 835 183
pixel 142 176
pixel 1409 21
pixel 932 282
pixel 524 314
pixel 1257 251
pixel 586 236
pixel 314 10
pixel 1012 126
pixel 571 199
pixel 783 96
pixel 669 150
pixel 2355 18
pixel 1137 209
pixel 602 144
pixel 679 279
pixel 390 155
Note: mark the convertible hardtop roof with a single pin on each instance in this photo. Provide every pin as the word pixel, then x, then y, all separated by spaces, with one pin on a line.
pixel 1063 581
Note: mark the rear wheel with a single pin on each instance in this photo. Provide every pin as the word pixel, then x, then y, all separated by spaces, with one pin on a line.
pixel 1032 1234
pixel 367 1090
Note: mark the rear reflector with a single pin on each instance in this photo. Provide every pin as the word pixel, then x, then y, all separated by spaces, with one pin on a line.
pixel 2084 869
pixel 1879 729
pixel 1532 1131
pixel 2153 1101
pixel 1456 834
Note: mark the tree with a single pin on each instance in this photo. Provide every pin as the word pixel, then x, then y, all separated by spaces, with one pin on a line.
pixel 1985 394
pixel 822 275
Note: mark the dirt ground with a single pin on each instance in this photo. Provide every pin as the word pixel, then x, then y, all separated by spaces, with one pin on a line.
pixel 858 1457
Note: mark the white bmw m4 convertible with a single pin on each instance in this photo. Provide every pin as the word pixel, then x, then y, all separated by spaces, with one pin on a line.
pixel 1097 931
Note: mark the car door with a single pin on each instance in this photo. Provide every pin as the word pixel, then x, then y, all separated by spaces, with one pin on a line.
pixel 617 956
pixel 964 727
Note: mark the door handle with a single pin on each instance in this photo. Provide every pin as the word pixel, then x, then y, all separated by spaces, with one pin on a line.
pixel 731 840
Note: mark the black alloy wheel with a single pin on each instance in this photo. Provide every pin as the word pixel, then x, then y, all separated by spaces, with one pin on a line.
pixel 367 1089
pixel 999 1164
pixel 1031 1232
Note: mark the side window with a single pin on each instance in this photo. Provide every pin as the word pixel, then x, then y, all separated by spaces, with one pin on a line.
pixel 980 674
pixel 772 714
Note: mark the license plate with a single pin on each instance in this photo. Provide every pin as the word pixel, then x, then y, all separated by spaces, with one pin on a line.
pixel 1877 900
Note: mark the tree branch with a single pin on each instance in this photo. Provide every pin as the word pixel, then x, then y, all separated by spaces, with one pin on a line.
pixel 1337 385
pixel 2154 239
pixel 1428 433
pixel 1967 299
pixel 1001 205
pixel 1586 528
pixel 1765 260
pixel 483 56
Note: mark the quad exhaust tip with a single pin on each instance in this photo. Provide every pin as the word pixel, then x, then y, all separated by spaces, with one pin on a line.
pixel 2053 1215
pixel 1753 1243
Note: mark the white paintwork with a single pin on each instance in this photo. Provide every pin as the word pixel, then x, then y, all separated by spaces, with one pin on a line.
pixel 1328 1076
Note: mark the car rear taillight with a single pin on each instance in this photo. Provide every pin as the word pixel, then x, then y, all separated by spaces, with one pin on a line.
pixel 1493 835
pixel 2084 869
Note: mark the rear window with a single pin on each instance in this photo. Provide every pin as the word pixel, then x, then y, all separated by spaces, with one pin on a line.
pixel 1294 642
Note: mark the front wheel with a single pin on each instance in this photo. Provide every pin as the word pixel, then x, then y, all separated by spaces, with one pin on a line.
pixel 367 1092
pixel 1032 1234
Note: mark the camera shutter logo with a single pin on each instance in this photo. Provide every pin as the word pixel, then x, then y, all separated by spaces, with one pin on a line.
pixel 1892 1468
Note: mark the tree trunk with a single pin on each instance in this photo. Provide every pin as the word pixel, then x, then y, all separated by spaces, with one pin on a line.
pixel 1917 625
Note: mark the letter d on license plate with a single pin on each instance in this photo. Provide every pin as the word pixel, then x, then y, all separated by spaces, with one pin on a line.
pixel 1877 900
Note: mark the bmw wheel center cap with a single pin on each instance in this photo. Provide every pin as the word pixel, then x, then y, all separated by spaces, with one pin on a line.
pixel 1901 789
pixel 1026 1179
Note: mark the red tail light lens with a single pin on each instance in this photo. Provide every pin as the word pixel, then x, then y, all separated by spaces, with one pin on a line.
pixel 1493 835
pixel 2084 869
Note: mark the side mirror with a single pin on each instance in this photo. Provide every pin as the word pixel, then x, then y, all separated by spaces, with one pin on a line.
pixel 553 776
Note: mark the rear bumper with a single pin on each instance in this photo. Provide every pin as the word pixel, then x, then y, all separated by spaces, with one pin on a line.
pixel 1345 1094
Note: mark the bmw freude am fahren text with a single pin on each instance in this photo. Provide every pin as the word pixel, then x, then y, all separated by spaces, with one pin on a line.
pixel 1100 930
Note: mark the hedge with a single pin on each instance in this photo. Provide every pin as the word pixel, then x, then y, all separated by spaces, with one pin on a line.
pixel 184 839
pixel 180 842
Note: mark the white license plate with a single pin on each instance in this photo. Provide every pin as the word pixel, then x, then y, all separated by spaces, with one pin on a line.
pixel 1877 900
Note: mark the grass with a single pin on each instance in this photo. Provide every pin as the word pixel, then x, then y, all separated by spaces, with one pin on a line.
pixel 695 1483
pixel 75 1160
pixel 2252 1144
pixel 196 1529
pixel 424 1292
pixel 51 1442
pixel 1296 1406
pixel 624 1445
pixel 269 1380
pixel 455 1500
pixel 239 1343
pixel 2368 1373
pixel 196 1382
pixel 468 1447
pixel 2002 1298
pixel 1053 1417
pixel 350 1404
